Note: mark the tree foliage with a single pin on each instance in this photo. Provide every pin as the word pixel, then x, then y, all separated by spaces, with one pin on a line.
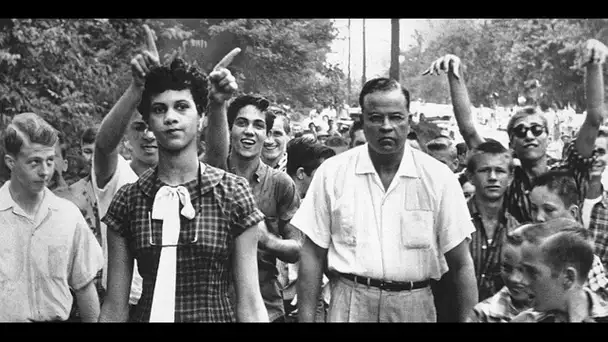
pixel 71 72
pixel 500 55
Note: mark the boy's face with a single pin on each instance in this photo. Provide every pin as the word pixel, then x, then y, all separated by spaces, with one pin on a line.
pixel 546 205
pixel 549 291
pixel 491 176
pixel 598 167
pixel 512 273
pixel 248 133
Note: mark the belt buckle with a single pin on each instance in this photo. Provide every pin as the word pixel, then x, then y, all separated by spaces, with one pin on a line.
pixel 411 285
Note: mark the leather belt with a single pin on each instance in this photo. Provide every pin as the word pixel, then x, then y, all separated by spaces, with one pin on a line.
pixel 387 285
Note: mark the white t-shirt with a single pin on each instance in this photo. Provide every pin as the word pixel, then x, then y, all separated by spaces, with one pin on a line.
pixel 588 205
pixel 124 174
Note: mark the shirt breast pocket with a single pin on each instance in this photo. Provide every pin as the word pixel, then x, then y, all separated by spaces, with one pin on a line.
pixel 344 217
pixel 417 229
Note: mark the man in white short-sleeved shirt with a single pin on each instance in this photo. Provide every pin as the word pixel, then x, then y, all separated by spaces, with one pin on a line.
pixel 388 218
pixel 46 246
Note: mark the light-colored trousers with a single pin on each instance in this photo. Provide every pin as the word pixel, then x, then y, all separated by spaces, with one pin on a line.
pixel 354 302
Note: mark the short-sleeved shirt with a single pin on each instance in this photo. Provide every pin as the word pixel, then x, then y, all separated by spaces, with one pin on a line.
pixel 277 198
pixel 497 309
pixel 598 312
pixel 598 226
pixel 43 257
pixel 224 207
pixel 123 174
pixel 399 234
pixel 517 202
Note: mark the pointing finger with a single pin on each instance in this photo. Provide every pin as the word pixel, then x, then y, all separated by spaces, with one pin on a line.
pixel 225 62
pixel 150 41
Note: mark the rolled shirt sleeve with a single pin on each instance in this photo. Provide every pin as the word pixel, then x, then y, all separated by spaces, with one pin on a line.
pixel 454 223
pixel 245 214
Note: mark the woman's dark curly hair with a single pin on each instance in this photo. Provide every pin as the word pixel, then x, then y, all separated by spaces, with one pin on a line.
pixel 178 76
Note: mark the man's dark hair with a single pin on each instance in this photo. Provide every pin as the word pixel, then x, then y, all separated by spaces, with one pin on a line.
pixel 178 76
pixel 412 136
pixel 489 146
pixel 306 153
pixel 356 126
pixel 382 84
pixel 259 102
pixel 89 135
pixel 562 183
pixel 336 141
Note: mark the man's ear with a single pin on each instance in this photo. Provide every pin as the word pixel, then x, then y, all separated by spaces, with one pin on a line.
pixel 300 174
pixel 9 161
pixel 570 275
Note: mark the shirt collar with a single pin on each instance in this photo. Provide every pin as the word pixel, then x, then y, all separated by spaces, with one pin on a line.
pixel 407 167
pixel 6 199
pixel 149 182
pixel 261 171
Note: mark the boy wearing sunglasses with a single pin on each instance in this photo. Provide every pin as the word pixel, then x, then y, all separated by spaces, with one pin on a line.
pixel 527 129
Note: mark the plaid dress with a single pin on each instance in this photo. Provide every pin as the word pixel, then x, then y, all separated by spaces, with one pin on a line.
pixel 225 208
pixel 598 226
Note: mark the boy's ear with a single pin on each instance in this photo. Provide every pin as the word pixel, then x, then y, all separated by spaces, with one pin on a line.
pixel 575 212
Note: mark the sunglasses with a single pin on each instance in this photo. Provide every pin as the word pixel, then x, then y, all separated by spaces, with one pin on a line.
pixel 521 131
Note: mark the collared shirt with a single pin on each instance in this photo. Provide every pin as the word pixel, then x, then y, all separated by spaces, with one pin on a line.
pixel 598 226
pixel 517 202
pixel 487 250
pixel 123 174
pixel 42 257
pixel 596 279
pixel 598 312
pixel 497 309
pixel 84 198
pixel 399 234
pixel 225 208
pixel 277 198
pixel 282 164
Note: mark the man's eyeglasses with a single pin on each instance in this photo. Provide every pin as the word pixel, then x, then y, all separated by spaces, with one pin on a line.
pixel 521 131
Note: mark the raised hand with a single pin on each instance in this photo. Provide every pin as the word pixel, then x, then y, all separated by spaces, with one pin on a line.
pixel 222 84
pixel 143 63
pixel 593 52
pixel 447 63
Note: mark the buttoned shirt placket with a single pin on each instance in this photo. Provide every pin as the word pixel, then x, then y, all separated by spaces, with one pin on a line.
pixel 30 270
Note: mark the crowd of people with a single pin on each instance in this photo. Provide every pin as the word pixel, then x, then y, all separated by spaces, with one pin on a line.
pixel 265 224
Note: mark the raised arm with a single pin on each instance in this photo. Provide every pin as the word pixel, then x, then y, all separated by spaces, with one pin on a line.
pixel 114 124
pixel 460 97
pixel 221 87
pixel 593 54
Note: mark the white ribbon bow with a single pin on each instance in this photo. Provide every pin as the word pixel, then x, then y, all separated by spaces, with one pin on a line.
pixel 166 208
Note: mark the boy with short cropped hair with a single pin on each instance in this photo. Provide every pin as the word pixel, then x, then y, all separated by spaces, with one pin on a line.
pixel 556 266
pixel 553 195
pixel 513 297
